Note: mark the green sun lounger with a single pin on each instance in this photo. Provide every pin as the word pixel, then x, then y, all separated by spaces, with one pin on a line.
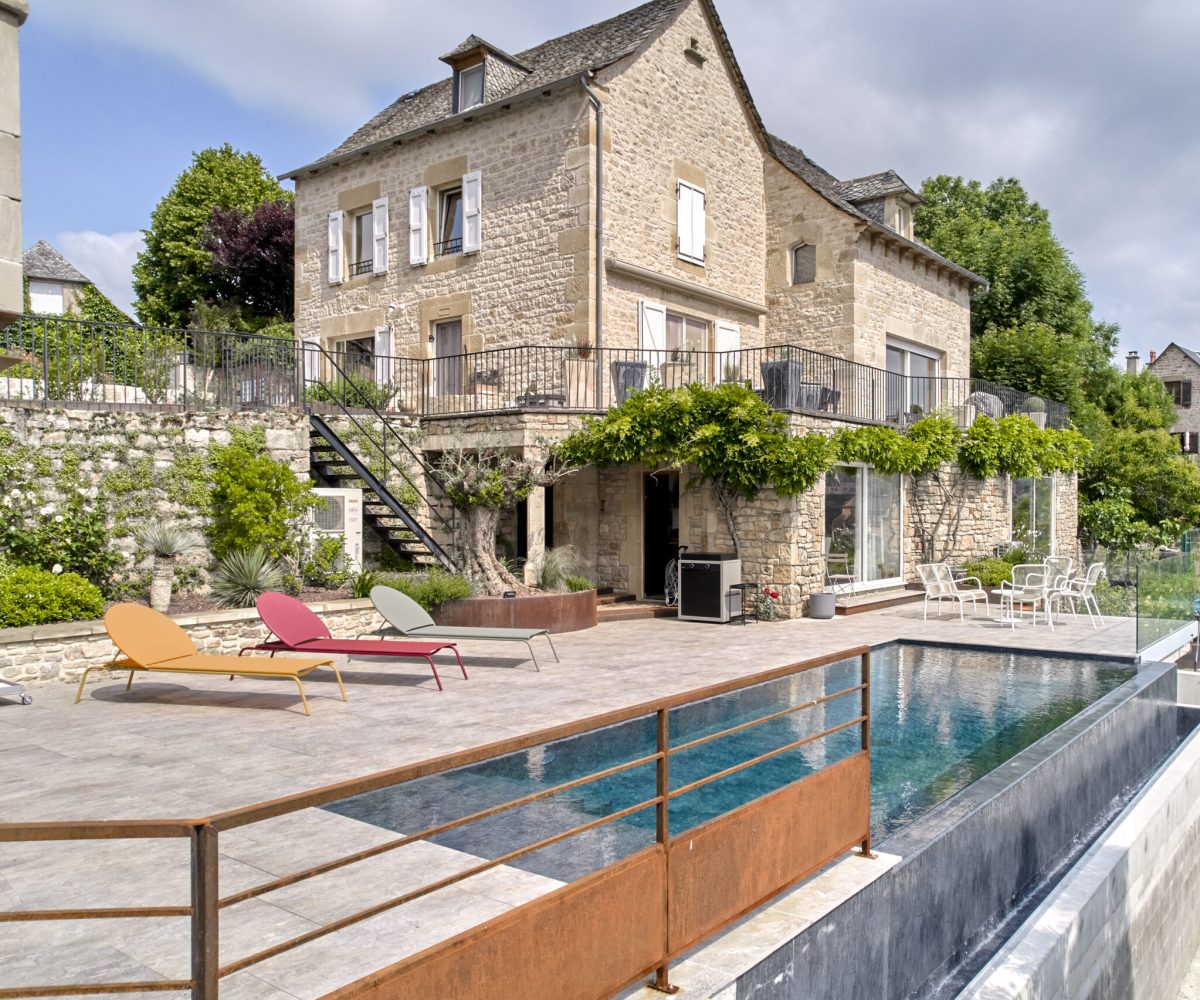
pixel 407 617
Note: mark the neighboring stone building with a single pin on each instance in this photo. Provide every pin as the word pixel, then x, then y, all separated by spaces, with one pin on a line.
pixel 550 229
pixel 12 16
pixel 54 285
pixel 1179 370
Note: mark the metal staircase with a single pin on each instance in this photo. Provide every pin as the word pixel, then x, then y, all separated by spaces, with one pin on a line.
pixel 334 461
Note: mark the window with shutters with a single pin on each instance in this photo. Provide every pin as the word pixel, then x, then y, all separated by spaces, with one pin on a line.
pixel 1181 391
pixel 450 222
pixel 690 224
pixel 46 298
pixel 362 257
pixel 685 335
pixel 804 264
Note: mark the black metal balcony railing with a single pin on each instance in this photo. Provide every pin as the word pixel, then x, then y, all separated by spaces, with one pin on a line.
pixel 362 267
pixel 73 360
pixel 447 247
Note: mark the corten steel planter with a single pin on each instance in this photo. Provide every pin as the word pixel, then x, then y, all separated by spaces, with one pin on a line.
pixel 556 612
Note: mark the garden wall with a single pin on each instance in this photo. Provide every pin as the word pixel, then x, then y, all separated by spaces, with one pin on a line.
pixel 61 652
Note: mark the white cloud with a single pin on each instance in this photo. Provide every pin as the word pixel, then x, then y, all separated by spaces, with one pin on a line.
pixel 106 258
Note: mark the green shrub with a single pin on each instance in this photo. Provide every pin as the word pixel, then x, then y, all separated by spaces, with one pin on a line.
pixel 366 581
pixel 388 561
pixel 353 390
pixel 577 583
pixel 242 575
pixel 432 589
pixel 556 567
pixel 326 565
pixel 1115 600
pixel 256 501
pixel 991 572
pixel 33 596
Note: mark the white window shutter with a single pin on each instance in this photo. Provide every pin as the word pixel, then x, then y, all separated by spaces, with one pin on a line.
pixel 311 348
pixel 336 243
pixel 418 218
pixel 379 226
pixel 683 218
pixel 383 355
pixel 472 185
pixel 652 331
pixel 698 226
pixel 729 337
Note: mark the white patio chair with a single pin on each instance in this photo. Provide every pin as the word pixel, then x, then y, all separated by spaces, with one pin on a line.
pixel 1030 585
pixel 1083 587
pixel 940 585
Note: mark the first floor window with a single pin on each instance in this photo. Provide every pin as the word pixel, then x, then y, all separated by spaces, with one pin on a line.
pixel 1032 508
pixel 1180 390
pixel 450 222
pixel 685 335
pixel 355 357
pixel 362 260
pixel 863 527
pixel 913 383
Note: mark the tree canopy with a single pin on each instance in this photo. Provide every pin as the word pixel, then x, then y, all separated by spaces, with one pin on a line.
pixel 253 257
pixel 175 270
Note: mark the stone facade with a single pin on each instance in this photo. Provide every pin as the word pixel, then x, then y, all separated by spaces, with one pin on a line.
pixel 1177 365
pixel 63 652
pixel 12 16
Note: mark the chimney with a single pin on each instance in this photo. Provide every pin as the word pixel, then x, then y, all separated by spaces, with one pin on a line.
pixel 1153 355
pixel 1131 362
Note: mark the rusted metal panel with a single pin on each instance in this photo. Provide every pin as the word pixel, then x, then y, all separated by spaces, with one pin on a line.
pixel 580 942
pixel 728 866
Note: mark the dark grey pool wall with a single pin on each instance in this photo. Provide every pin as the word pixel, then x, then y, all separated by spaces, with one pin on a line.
pixel 966 862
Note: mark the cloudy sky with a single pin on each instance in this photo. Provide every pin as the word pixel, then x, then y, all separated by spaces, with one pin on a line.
pixel 1093 104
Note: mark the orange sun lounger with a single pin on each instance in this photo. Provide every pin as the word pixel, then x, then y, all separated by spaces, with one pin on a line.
pixel 151 641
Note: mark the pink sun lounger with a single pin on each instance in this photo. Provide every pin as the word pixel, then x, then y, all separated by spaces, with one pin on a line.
pixel 297 629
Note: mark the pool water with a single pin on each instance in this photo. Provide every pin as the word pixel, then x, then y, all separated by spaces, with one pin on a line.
pixel 941 718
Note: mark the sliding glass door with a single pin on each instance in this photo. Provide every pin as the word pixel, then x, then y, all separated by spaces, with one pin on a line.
pixel 863 528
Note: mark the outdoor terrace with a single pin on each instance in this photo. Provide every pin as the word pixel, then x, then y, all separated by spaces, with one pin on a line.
pixel 166 749
pixel 71 360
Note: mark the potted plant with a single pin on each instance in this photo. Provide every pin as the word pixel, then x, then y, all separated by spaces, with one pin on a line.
pixel 1035 410
pixel 731 371
pixel 166 543
pixel 579 374
pixel 679 370
pixel 487 380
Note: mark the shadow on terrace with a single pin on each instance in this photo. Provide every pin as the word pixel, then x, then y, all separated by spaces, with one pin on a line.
pixel 73 360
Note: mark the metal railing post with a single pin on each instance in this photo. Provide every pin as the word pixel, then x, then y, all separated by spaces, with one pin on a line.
pixel 662 835
pixel 866 739
pixel 206 959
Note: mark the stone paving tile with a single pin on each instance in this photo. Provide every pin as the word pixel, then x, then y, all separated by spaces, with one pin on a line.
pixel 189 749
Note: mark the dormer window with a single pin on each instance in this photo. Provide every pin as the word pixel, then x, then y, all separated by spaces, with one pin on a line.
pixel 470 87
pixel 903 219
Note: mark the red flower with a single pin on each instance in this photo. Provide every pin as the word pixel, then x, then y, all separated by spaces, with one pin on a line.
pixel 774 595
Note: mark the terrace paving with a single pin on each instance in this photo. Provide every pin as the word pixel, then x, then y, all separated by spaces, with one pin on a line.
pixel 168 749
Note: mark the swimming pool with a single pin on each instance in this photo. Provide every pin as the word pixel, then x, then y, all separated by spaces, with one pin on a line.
pixel 941 718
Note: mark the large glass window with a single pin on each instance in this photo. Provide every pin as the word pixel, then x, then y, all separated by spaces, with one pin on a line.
pixel 1033 514
pixel 863 527
pixel 912 381
pixel 686 334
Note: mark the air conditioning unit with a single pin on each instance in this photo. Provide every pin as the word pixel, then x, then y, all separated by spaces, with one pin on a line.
pixel 341 513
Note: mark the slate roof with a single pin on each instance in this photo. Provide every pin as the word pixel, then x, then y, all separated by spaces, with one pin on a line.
pixel 874 186
pixel 44 263
pixel 590 48
pixel 473 42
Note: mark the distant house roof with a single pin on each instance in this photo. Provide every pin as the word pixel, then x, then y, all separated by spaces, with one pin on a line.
pixel 590 48
pixel 1192 356
pixel 44 263
pixel 875 186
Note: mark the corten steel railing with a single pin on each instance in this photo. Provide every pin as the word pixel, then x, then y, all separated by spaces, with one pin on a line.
pixel 67 359
pixel 626 920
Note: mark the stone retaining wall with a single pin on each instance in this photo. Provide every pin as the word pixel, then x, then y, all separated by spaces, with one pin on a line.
pixel 62 652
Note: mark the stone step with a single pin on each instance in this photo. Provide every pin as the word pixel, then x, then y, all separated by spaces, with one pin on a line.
pixel 633 611
pixel 856 604
pixel 610 596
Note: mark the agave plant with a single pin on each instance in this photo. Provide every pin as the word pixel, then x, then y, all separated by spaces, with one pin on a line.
pixel 166 542
pixel 242 575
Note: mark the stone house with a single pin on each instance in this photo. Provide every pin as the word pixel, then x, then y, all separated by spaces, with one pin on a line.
pixel 537 234
pixel 1179 370
pixel 54 283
